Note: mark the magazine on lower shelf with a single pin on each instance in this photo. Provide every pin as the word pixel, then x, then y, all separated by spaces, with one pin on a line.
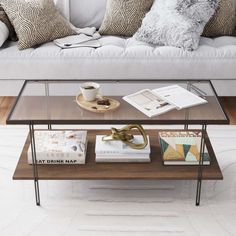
pixel 158 101
pixel 59 147
pixel 182 148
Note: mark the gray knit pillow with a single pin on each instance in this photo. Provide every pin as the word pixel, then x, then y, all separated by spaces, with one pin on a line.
pixel 124 17
pixel 177 23
pixel 36 21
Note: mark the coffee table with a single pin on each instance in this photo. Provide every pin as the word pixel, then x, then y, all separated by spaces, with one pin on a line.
pixel 52 102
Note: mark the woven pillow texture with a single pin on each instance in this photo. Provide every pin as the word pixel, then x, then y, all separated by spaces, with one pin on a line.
pixel 124 17
pixel 222 23
pixel 36 21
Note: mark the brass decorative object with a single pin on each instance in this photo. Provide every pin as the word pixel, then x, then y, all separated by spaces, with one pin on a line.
pixel 124 134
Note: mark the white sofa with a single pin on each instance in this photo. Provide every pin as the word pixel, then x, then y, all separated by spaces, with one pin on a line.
pixel 118 58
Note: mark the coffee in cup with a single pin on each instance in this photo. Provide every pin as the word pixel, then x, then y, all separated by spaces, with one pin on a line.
pixel 90 91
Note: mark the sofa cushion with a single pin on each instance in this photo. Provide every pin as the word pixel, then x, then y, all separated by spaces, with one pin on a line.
pixel 36 22
pixel 87 13
pixel 121 58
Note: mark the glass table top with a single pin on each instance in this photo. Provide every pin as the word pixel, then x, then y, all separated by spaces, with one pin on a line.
pixel 53 102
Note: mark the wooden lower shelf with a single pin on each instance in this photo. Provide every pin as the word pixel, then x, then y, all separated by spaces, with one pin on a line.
pixel 107 171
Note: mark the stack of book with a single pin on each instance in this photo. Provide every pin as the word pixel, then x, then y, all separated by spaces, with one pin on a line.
pixel 182 148
pixel 117 151
pixel 59 147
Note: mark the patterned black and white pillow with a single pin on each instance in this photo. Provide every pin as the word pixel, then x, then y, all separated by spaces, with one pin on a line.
pixel 222 23
pixel 36 21
pixel 124 17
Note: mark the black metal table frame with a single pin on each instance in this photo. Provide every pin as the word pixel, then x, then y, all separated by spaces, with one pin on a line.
pixel 186 123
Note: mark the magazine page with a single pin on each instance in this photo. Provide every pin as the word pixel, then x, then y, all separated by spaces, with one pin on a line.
pixel 179 97
pixel 148 102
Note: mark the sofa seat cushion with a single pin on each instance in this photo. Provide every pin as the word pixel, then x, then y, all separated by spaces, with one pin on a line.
pixel 121 58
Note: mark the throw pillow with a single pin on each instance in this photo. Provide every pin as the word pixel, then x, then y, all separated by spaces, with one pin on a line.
pixel 124 17
pixel 234 33
pixel 222 22
pixel 4 33
pixel 5 20
pixel 36 21
pixel 177 23
pixel 63 7
pixel 87 13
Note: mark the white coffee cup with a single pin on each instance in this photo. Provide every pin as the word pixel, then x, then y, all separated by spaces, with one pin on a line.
pixel 90 91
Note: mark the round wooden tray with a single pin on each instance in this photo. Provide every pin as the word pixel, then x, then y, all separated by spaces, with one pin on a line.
pixel 94 107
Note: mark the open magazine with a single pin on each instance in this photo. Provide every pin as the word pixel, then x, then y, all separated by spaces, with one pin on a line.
pixel 76 41
pixel 161 100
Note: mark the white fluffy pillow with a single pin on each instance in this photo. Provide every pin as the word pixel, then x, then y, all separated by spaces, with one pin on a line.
pixel 4 33
pixel 178 23
pixel 63 7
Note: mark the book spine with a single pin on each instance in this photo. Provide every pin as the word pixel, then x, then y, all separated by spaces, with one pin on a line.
pixel 123 158
pixel 170 163
pixel 57 162
pixel 111 160
pixel 43 158
pixel 117 153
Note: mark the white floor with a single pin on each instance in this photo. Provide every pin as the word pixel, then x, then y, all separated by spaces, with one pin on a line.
pixel 72 208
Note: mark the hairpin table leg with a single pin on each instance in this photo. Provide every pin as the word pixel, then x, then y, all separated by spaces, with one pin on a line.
pixel 34 164
pixel 186 127
pixel 199 181
pixel 47 103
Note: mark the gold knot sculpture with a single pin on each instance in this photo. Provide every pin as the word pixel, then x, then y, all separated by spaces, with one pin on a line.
pixel 124 134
